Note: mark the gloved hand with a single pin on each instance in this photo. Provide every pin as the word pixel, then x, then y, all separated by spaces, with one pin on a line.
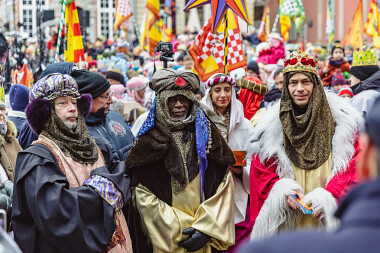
pixel 196 240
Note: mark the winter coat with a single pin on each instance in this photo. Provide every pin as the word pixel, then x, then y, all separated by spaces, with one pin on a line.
pixel 9 149
pixel 114 131
pixel 26 136
pixel 326 77
pixel 359 230
pixel 365 93
pixel 18 118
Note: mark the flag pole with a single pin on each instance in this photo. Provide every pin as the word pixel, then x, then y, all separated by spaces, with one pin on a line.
pixel 60 30
pixel 274 27
pixel 226 45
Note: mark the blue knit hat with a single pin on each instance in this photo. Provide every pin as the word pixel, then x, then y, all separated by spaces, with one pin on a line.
pixel 19 97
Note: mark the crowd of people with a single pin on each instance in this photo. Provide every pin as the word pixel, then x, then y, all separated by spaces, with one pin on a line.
pixel 119 154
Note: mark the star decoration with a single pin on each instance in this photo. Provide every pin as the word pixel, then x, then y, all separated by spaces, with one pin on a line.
pixel 219 8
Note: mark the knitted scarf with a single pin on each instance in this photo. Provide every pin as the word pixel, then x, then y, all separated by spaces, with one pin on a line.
pixel 307 137
pixel 77 144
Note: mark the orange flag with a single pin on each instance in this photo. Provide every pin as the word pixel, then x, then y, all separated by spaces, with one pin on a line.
pixel 372 26
pixel 23 76
pixel 355 36
pixel 264 26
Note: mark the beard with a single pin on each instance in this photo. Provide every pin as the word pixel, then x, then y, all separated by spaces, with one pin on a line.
pixel 71 125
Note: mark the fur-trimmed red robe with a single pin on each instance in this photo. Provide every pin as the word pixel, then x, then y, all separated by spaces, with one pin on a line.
pixel 272 175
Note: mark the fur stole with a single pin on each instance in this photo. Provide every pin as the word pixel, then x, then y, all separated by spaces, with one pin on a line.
pixel 10 135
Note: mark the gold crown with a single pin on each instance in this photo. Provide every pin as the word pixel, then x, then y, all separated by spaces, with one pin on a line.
pixel 300 61
pixel 366 58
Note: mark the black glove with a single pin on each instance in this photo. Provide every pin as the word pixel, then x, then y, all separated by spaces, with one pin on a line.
pixel 196 240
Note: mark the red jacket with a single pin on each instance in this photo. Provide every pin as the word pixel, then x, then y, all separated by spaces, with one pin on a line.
pixel 326 77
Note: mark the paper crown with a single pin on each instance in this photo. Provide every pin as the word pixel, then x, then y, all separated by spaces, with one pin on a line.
pixel 300 61
pixel 338 45
pixel 366 58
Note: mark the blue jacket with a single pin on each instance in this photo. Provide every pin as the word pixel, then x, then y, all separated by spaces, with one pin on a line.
pixel 114 131
pixel 359 231
pixel 18 121
pixel 26 136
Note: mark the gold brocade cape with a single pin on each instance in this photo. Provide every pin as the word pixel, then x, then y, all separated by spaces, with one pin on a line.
pixel 150 176
pixel 307 137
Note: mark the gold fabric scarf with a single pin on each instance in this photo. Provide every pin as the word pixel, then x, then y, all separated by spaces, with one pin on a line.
pixel 308 137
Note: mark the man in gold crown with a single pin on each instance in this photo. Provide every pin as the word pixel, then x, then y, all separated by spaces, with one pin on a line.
pixel 305 145
pixel 365 80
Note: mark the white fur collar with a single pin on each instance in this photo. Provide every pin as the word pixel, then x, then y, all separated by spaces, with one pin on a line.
pixel 267 141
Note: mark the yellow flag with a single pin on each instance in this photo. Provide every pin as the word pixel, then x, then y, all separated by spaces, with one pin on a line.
pixel 285 25
pixel 355 36
pixel 372 26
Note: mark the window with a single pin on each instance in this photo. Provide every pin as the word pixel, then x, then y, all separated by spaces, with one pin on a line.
pixel 106 12
pixel 28 15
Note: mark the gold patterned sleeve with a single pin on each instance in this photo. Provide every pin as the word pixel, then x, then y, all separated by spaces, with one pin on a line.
pixel 213 217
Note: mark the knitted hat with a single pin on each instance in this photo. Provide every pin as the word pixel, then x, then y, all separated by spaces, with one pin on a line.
pixel 363 72
pixel 338 79
pixel 3 106
pixel 136 84
pixel 346 90
pixel 253 66
pixel 90 82
pixel 92 63
pixel 19 97
pixel 47 89
pixel 219 78
pixel 115 75
pixel 364 64
pixel 337 45
pixel 58 67
pixel 170 79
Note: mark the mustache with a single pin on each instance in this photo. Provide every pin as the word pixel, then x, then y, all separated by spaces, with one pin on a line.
pixel 71 116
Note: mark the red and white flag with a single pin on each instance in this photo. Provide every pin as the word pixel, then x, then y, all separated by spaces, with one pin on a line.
pixel 207 49
pixel 123 12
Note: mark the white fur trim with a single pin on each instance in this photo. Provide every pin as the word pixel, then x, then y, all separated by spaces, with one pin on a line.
pixel 275 211
pixel 322 200
pixel 267 141
pixel 262 46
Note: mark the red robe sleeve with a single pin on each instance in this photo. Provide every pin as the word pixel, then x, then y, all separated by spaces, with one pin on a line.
pixel 343 181
pixel 261 180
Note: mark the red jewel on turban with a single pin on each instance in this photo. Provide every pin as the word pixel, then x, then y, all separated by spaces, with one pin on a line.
pixel 179 81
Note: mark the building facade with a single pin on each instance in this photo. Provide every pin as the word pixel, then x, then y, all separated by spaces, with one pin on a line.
pixel 101 16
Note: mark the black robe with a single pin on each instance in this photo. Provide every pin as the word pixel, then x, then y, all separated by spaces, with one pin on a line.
pixel 48 216
pixel 149 162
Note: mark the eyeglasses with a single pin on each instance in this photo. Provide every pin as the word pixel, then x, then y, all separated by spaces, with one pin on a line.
pixel 107 97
